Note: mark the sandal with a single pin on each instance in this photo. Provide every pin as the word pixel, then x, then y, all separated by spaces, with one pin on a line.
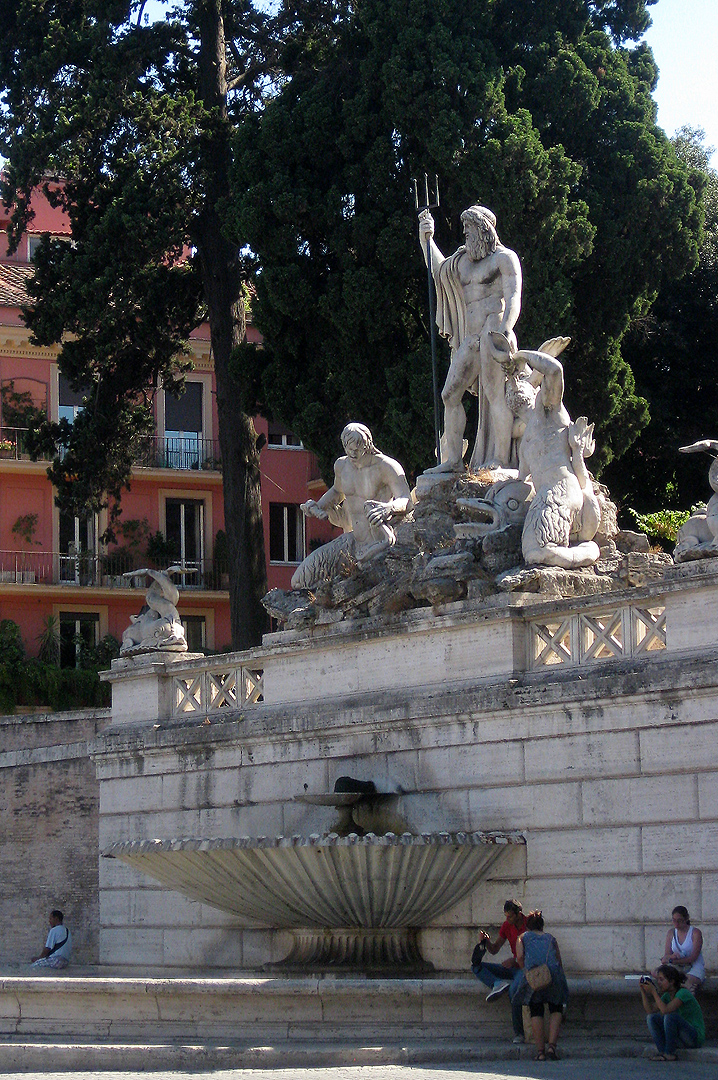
pixel 657 1057
pixel 540 1056
pixel 551 1052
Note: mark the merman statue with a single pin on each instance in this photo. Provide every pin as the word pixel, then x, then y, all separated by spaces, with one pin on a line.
pixel 157 627
pixel 564 514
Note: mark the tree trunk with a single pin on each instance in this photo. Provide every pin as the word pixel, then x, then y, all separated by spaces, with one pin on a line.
pixel 219 260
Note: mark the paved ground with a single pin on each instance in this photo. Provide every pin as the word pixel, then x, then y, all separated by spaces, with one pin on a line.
pixel 594 1069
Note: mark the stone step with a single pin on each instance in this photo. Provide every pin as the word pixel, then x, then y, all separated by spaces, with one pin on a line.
pixel 43 1056
pixel 253 1011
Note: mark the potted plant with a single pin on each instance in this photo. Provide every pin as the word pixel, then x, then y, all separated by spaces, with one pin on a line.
pixel 160 551
pixel 20 414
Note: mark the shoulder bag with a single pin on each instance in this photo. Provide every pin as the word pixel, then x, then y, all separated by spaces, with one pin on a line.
pixel 540 977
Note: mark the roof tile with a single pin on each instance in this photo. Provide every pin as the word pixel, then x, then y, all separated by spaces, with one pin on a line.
pixel 13 281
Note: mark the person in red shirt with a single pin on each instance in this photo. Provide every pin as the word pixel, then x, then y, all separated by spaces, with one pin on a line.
pixel 507 975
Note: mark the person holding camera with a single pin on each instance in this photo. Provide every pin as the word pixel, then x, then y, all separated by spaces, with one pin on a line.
pixel 674 1016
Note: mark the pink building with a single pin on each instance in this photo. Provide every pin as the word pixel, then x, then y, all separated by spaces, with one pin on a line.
pixel 52 564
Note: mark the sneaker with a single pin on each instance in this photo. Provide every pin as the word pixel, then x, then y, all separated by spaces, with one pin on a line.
pixel 497 989
pixel 518 1039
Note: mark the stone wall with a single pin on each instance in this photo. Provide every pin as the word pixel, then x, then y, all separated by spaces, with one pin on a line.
pixel 48 826
pixel 610 770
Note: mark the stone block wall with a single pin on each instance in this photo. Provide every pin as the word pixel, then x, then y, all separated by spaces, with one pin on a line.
pixel 49 801
pixel 610 772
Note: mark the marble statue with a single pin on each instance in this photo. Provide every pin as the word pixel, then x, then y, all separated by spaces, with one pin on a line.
pixel 158 626
pixel 370 490
pixel 478 290
pixel 564 514
pixel 505 503
pixel 698 538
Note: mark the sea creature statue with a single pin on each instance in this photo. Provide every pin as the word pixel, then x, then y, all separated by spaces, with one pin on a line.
pixel 370 490
pixel 698 538
pixel 564 514
pixel 505 503
pixel 157 627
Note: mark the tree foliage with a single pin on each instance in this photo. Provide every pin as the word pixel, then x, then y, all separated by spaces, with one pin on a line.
pixel 672 353
pixel 82 106
pixel 134 119
pixel 535 108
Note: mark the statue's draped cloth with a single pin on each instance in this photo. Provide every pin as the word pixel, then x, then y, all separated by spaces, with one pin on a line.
pixel 451 322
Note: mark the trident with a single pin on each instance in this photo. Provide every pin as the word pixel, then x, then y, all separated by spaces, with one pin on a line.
pixel 432 302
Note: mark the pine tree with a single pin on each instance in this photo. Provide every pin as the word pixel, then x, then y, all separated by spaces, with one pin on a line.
pixel 135 120
pixel 536 109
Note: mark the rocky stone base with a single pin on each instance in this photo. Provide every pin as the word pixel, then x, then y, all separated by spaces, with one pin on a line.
pixel 463 541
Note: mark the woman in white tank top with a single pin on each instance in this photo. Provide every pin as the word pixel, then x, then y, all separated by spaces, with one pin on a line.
pixel 684 945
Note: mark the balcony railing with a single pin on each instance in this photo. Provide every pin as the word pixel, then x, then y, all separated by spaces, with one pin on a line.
pixel 13 444
pixel 179 453
pixel 97 570
pixel 155 451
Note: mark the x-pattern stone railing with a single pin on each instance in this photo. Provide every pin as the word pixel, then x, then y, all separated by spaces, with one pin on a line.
pixel 582 638
pixel 217 687
pixel 569 639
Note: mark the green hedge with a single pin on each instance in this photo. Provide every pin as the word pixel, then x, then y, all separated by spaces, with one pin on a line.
pixel 25 681
pixel 34 683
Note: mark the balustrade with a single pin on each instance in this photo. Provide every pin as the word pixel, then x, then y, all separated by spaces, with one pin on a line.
pixel 218 687
pixel 586 638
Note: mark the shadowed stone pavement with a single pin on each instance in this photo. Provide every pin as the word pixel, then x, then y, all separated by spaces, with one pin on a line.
pixel 577 1069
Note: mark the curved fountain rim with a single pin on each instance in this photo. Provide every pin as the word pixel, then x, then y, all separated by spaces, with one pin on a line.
pixel 314 840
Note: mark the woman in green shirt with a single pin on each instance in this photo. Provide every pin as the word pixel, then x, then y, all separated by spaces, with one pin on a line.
pixel 674 1016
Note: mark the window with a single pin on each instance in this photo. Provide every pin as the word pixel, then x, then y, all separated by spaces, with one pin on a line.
pixel 78 630
pixel 70 401
pixel 195 631
pixel 33 243
pixel 78 550
pixel 184 529
pixel 286 533
pixel 183 428
pixel 281 436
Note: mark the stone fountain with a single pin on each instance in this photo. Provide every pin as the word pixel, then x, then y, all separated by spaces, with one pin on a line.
pixel 505 672
pixel 349 901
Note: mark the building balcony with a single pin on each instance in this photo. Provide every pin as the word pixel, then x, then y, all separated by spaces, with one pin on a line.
pixel 88 570
pixel 13 444
pixel 159 452
pixel 156 452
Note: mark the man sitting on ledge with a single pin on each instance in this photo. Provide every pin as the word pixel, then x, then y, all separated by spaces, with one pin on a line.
pixel 58 945
pixel 500 977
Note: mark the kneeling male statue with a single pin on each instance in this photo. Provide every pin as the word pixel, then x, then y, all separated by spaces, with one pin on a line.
pixel 370 490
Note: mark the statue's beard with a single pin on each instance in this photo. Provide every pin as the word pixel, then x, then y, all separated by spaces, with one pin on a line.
pixel 476 248
pixel 520 394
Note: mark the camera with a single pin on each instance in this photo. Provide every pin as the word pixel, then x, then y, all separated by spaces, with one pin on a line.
pixel 646 979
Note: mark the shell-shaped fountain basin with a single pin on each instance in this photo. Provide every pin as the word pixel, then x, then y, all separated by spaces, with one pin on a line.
pixel 329 881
